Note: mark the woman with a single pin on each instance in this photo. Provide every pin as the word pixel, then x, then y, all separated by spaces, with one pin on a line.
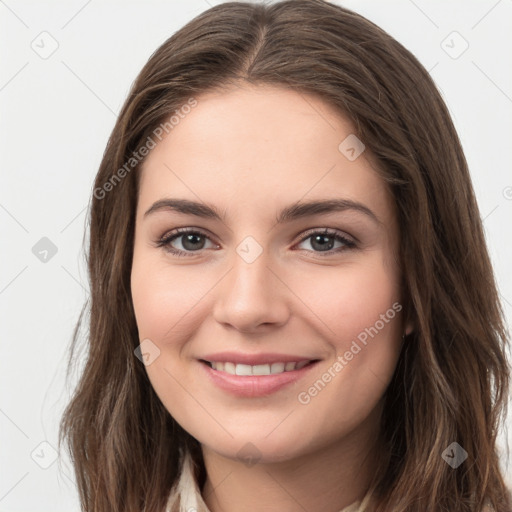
pixel 290 287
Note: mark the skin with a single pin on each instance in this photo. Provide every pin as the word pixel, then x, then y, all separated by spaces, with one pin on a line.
pixel 251 151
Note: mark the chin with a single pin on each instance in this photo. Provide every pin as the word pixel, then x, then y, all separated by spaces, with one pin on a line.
pixel 251 450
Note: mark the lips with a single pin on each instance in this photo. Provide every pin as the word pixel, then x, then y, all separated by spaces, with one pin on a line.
pixel 253 375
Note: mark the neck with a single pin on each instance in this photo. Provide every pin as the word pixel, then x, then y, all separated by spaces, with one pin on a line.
pixel 330 478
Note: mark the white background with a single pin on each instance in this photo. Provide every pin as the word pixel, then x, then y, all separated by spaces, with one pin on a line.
pixel 56 115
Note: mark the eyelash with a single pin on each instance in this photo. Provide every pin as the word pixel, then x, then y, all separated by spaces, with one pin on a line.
pixel 166 240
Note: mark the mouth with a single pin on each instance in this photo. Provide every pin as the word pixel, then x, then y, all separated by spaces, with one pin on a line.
pixel 251 381
pixel 246 370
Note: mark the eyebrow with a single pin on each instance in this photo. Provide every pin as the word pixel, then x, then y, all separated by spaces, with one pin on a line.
pixel 292 212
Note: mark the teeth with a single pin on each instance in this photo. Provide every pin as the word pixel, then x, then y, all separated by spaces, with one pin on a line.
pixel 228 367
pixel 281 367
pixel 243 369
pixel 258 369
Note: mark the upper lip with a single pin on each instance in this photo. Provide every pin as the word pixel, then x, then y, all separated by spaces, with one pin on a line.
pixel 254 359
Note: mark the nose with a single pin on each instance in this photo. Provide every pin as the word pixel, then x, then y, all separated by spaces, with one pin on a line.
pixel 252 297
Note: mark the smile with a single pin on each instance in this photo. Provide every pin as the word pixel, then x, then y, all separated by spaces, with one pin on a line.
pixel 258 380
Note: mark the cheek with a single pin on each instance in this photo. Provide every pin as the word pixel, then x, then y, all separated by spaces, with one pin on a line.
pixel 349 299
pixel 360 306
pixel 164 297
pixel 359 314
pixel 165 302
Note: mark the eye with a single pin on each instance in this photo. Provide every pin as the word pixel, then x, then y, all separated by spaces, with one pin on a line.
pixel 190 240
pixel 323 241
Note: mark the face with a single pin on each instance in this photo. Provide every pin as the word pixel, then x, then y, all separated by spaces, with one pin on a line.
pixel 241 270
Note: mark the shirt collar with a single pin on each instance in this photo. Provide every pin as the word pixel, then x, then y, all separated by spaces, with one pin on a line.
pixel 186 495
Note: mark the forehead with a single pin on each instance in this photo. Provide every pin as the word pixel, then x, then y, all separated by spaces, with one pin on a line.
pixel 259 146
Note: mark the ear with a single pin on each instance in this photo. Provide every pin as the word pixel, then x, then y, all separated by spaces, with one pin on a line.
pixel 409 327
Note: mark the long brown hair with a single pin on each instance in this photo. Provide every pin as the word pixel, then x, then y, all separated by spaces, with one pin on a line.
pixel 452 379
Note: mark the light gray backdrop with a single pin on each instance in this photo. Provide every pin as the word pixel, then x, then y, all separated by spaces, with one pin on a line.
pixel 66 68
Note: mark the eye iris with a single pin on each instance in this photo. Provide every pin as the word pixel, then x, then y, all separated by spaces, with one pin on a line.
pixel 190 239
pixel 324 246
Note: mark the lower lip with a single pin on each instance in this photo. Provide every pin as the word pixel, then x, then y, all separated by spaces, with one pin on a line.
pixel 256 385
